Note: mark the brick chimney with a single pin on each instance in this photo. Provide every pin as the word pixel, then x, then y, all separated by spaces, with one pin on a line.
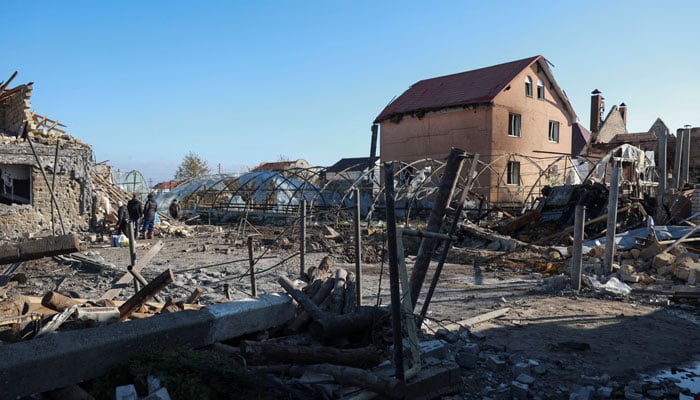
pixel 596 110
pixel 623 113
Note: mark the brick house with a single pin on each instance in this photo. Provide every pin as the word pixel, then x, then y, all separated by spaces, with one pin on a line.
pixel 516 107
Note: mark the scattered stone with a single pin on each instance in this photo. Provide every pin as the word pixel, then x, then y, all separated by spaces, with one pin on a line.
pixel 519 390
pixel 604 392
pixel 521 368
pixel 526 379
pixel 433 348
pixel 663 259
pixel 579 392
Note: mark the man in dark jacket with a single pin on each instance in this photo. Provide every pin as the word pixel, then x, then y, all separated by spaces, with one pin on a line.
pixel 174 209
pixel 149 216
pixel 123 215
pixel 135 209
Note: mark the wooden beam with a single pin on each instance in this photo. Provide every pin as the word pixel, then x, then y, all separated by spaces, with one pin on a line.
pixel 275 353
pixel 127 278
pixel 150 290
pixel 39 248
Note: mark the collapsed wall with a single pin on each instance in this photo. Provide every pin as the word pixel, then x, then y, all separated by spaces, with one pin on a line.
pixel 30 143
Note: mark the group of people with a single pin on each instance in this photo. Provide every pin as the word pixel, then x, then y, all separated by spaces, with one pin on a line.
pixel 134 211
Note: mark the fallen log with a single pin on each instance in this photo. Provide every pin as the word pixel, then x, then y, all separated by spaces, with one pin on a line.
pixel 335 326
pixel 350 294
pixel 59 302
pixel 269 353
pixel 390 387
pixel 301 298
pixel 338 293
pixel 194 297
pixel 39 248
pixel 318 298
pixel 140 298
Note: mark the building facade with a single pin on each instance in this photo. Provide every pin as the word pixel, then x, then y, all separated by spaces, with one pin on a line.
pixel 508 113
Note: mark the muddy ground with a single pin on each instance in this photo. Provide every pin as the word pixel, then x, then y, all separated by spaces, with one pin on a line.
pixel 568 339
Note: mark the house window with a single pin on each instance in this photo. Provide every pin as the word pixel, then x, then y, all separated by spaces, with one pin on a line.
pixel 528 86
pixel 540 89
pixel 15 184
pixel 514 124
pixel 554 131
pixel 513 173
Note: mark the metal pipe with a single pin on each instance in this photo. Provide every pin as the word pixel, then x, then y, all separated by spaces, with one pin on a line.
pixel 579 217
pixel 661 192
pixel 677 159
pixel 358 250
pixel 302 239
pixel 393 270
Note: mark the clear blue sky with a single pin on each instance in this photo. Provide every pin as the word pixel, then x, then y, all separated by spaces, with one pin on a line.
pixel 242 82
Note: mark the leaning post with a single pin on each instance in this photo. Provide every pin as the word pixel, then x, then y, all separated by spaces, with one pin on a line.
pixel 442 200
pixel 612 217
pixel 579 217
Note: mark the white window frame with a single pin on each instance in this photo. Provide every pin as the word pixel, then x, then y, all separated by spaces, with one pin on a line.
pixel 513 173
pixel 528 86
pixel 515 125
pixel 540 89
pixel 554 131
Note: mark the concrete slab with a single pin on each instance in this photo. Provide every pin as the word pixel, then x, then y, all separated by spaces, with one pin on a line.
pixel 65 358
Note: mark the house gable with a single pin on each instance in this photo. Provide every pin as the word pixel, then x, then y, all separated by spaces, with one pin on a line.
pixel 613 125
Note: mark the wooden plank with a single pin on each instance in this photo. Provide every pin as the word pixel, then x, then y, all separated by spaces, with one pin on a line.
pixel 126 279
pixel 469 322
pixel 39 248
pixel 139 299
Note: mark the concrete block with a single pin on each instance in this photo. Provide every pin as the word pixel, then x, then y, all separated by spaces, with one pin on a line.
pixel 519 390
pixel 98 314
pixel 433 348
pixel 494 363
pixel 471 348
pixel 127 392
pixel 237 318
pixel 466 360
pixel 434 382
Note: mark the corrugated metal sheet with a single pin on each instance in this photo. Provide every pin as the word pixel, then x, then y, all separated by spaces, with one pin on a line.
pixel 471 87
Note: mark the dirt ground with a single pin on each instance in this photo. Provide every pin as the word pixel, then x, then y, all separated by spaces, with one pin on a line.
pixel 571 339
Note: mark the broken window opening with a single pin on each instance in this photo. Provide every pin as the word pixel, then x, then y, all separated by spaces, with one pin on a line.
pixel 514 124
pixel 528 86
pixel 15 184
pixel 540 89
pixel 513 176
pixel 554 131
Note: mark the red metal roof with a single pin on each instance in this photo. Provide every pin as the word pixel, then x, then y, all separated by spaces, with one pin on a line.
pixel 472 87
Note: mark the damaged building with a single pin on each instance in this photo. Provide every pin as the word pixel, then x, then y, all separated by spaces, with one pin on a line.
pixel 507 113
pixel 37 156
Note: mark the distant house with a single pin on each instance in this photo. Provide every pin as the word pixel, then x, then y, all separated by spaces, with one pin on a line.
pixel 165 187
pixel 516 107
pixel 349 169
pixel 281 165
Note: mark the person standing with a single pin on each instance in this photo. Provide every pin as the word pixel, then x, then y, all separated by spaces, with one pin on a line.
pixel 123 218
pixel 174 209
pixel 135 209
pixel 149 216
